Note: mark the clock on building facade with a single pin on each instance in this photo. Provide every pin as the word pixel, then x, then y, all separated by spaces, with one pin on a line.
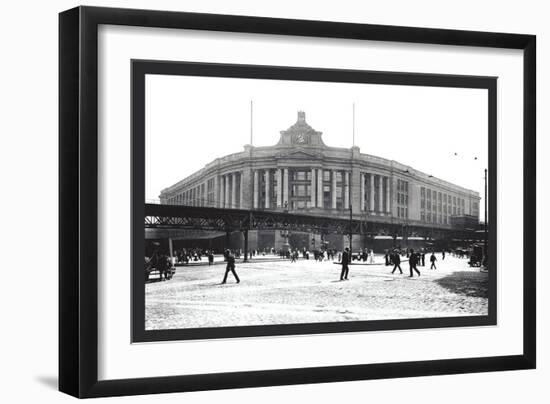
pixel 300 138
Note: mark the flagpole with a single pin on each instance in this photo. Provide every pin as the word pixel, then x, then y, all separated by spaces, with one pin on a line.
pixel 353 124
pixel 251 123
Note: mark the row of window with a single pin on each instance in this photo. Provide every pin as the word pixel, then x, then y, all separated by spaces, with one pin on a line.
pixel 375 195
pixel 438 207
pixel 435 206
pixel 192 197
pixel 300 190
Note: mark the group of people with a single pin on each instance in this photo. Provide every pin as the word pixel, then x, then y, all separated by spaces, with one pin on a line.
pixel 415 259
pixel 193 254
pixel 365 255
pixel 162 262
pixel 347 258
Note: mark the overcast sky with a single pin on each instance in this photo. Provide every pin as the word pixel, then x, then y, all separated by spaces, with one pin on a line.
pixel 190 121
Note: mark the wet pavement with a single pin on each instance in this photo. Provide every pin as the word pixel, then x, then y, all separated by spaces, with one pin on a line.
pixel 275 291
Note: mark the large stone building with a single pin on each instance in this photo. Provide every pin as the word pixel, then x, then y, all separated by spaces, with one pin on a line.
pixel 300 174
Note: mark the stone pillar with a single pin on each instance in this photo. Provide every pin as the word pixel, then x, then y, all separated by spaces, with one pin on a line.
pixel 380 194
pixel 355 189
pixel 246 188
pixel 393 205
pixel 234 190
pixel 388 200
pixel 285 187
pixel 362 191
pixel 371 194
pixel 267 189
pixel 216 201
pixel 279 188
pixel 313 187
pixel 320 188
pixel 333 188
pixel 256 185
pixel 227 192
pixel 346 190
pixel 241 191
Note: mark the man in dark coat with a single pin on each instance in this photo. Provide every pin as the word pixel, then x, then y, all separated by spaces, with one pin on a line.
pixel 345 264
pixel 413 261
pixel 230 258
pixel 433 260
pixel 396 262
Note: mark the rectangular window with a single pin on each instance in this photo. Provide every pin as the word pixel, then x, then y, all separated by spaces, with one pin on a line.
pixel 300 175
pixel 273 181
pixel 327 200
pixel 402 198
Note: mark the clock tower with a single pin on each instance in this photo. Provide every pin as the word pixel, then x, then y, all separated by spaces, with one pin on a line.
pixel 301 134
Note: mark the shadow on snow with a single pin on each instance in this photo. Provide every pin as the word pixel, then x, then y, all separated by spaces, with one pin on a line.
pixel 467 283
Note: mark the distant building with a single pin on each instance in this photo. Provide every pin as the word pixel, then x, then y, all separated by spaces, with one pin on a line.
pixel 301 174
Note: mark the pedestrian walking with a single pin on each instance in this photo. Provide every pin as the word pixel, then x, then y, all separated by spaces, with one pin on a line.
pixel 423 258
pixel 345 265
pixel 413 261
pixel 396 259
pixel 210 257
pixel 371 257
pixel 321 256
pixel 230 258
pixel 443 256
pixel 433 260
pixel 293 256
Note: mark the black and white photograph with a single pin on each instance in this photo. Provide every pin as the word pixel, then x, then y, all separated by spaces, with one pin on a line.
pixel 275 202
pixel 334 205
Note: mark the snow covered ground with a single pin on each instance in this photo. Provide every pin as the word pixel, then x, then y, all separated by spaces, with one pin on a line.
pixel 275 291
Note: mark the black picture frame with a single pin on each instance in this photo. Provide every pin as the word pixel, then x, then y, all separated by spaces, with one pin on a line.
pixel 141 68
pixel 78 206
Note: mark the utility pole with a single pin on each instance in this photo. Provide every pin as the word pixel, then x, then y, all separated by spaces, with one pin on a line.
pixel 251 124
pixel 350 227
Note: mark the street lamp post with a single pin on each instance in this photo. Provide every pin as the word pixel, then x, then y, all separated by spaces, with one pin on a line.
pixel 285 234
pixel 485 225
pixel 350 227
